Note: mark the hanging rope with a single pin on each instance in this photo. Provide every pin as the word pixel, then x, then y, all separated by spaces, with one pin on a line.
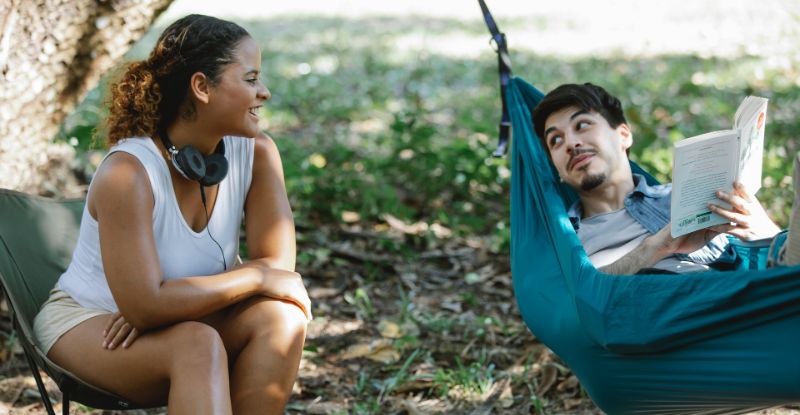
pixel 504 68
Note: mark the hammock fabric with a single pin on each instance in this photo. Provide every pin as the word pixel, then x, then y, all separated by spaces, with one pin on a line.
pixel 706 343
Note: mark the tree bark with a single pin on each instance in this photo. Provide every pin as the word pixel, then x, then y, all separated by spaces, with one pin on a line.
pixel 52 53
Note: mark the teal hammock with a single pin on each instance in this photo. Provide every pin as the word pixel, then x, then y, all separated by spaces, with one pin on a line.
pixel 706 343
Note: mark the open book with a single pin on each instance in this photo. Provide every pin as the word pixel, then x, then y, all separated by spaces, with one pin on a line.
pixel 713 161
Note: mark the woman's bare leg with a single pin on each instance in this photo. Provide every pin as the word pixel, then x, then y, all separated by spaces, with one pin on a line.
pixel 264 339
pixel 184 366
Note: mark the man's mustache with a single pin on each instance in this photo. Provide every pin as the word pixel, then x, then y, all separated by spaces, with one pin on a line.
pixel 579 151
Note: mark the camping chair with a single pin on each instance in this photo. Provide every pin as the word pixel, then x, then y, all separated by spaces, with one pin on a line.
pixel 704 343
pixel 37 236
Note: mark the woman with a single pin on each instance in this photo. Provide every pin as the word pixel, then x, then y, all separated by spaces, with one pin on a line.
pixel 149 294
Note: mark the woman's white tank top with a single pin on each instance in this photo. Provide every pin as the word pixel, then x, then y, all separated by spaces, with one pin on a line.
pixel 181 251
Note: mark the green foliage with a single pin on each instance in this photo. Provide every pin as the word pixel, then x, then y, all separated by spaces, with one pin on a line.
pixel 438 323
pixel 360 300
pixel 476 378
pixel 368 127
pixel 401 376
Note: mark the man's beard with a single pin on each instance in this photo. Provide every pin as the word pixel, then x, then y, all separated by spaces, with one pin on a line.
pixel 591 181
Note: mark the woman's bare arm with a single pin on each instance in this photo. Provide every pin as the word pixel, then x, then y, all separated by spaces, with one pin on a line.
pixel 122 202
pixel 269 225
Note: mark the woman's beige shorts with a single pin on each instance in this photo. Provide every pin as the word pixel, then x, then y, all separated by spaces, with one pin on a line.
pixel 58 315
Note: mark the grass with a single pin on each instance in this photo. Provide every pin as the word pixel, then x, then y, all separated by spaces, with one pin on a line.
pixel 473 380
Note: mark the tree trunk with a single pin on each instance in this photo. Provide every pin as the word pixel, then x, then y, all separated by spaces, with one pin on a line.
pixel 52 53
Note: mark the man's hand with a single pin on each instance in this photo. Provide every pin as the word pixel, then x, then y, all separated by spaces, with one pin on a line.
pixel 657 247
pixel 748 220
pixel 117 331
pixel 665 245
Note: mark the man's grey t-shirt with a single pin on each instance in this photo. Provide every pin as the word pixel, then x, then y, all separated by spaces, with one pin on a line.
pixel 610 236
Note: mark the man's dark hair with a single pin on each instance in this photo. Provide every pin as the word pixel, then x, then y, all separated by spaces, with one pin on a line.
pixel 587 97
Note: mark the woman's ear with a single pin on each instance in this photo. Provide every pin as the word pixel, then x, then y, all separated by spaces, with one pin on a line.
pixel 626 134
pixel 199 87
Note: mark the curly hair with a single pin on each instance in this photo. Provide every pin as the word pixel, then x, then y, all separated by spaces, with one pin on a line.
pixel 152 93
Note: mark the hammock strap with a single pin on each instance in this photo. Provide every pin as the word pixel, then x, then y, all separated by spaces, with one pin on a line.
pixel 504 67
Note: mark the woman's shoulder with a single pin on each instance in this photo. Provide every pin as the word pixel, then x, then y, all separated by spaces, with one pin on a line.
pixel 138 146
pixel 265 147
pixel 121 177
pixel 120 168
pixel 126 162
pixel 252 151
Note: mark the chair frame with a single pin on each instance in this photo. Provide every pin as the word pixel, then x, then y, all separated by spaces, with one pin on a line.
pixel 26 346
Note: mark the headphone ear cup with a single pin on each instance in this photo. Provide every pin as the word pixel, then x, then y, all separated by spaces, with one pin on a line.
pixel 190 162
pixel 216 169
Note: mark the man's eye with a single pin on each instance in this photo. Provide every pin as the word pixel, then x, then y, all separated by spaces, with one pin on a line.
pixel 555 140
pixel 583 124
pixel 252 81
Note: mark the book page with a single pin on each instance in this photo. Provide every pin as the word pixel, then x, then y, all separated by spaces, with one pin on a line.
pixel 751 118
pixel 701 166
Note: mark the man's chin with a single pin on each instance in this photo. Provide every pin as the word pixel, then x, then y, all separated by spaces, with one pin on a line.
pixel 592 181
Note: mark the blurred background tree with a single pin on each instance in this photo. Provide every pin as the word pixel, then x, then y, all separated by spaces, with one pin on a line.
pixel 52 53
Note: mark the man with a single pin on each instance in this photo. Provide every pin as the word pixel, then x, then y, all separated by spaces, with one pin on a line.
pixel 622 222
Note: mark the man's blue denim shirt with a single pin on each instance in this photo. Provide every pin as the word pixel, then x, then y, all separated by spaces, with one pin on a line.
pixel 650 206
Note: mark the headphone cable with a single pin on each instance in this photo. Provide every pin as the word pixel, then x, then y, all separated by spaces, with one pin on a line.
pixel 208 227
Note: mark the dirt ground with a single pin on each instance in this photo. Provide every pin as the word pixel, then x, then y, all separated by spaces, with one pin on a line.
pixel 405 323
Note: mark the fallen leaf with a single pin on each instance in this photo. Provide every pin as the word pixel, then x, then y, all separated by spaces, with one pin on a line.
pixel 454 306
pixel 393 330
pixel 400 225
pixel 441 231
pixel 324 408
pixel 350 217
pixel 506 397
pixel 572 403
pixel 318 293
pixel 421 382
pixel 568 384
pixel 381 350
pixel 472 278
pixel 411 407
pixel 549 376
pixel 389 329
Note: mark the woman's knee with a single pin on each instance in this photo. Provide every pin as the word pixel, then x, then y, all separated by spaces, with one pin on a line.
pixel 194 343
pixel 275 319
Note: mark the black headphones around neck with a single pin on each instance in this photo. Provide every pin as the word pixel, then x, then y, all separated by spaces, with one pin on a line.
pixel 194 165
